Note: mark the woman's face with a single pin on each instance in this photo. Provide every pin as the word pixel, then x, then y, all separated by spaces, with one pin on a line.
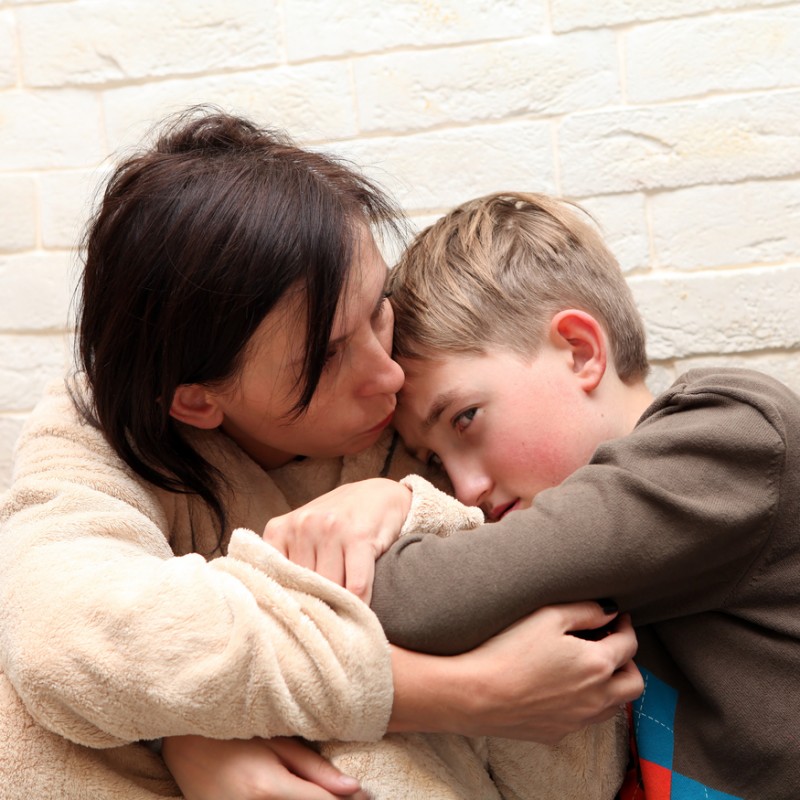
pixel 355 398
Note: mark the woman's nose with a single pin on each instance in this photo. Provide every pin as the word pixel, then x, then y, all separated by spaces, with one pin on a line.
pixel 383 375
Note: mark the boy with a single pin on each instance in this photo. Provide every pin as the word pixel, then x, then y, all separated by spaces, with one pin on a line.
pixel 525 365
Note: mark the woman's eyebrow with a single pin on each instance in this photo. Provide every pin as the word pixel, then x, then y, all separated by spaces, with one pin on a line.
pixel 383 294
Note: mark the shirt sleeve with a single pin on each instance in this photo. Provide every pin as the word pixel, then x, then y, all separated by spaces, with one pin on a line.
pixel 666 521
pixel 109 638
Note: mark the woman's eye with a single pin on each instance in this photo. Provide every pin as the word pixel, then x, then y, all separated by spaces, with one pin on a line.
pixel 330 357
pixel 463 420
pixel 381 308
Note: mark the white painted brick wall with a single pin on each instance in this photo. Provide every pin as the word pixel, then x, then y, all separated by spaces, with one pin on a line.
pixel 676 123
pixel 316 28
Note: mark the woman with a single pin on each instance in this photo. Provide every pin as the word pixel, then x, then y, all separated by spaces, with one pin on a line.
pixel 234 345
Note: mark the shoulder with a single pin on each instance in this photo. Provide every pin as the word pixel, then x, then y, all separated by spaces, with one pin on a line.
pixel 740 420
pixel 725 388
pixel 56 422
pixel 61 456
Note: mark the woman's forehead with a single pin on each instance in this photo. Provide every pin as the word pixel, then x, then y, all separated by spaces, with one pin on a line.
pixel 364 287
pixel 281 336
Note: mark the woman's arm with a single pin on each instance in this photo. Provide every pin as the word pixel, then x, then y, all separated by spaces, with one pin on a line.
pixel 109 638
pixel 254 769
pixel 534 681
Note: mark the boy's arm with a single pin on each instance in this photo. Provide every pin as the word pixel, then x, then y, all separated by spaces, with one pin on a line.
pixel 665 521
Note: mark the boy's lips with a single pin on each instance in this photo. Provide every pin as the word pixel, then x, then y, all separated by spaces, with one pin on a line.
pixel 498 512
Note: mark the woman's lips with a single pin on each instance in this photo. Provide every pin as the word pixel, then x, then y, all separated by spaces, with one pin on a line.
pixel 381 425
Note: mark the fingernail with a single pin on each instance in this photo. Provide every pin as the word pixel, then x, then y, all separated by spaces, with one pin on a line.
pixel 348 784
pixel 608 605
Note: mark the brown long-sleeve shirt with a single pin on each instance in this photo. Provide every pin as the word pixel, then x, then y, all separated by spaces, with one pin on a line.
pixel 691 522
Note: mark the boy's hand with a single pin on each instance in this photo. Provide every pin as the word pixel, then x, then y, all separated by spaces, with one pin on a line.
pixel 254 769
pixel 342 533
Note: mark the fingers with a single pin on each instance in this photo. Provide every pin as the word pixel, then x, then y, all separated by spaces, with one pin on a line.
pixel 618 642
pixel 586 615
pixel 330 562
pixel 360 571
pixel 345 557
pixel 294 788
pixel 628 683
pixel 621 643
pixel 310 766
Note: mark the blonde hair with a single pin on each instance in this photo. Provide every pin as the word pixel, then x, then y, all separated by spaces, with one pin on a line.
pixel 494 272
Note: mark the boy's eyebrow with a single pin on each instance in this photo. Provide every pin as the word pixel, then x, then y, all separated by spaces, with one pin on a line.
pixel 439 404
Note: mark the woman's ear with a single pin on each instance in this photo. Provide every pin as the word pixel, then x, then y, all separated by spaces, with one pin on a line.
pixel 196 406
pixel 584 338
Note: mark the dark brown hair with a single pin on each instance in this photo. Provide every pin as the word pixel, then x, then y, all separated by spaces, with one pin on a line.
pixel 194 242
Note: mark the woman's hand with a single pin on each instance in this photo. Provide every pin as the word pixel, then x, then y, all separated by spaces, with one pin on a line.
pixel 254 769
pixel 535 680
pixel 342 533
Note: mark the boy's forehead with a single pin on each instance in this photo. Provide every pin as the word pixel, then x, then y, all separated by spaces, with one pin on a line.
pixel 421 374
pixel 427 391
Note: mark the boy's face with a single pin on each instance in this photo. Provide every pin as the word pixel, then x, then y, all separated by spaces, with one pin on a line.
pixel 503 427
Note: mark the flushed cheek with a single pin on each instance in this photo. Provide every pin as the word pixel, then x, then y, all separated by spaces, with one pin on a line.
pixel 530 466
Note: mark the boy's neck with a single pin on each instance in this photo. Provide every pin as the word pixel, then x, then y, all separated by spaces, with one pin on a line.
pixel 632 401
pixel 641 398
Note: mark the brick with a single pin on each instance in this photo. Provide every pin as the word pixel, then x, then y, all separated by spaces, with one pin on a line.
pixel 93 42
pixel 692 57
pixel 661 377
pixel 17 213
pixel 623 225
pixel 393 248
pixel 67 199
pixel 10 429
pixel 8 51
pixel 315 29
pixel 720 312
pixel 50 128
pixel 35 291
pixel 541 75
pixel 311 102
pixel 27 365
pixel 570 14
pixel 437 170
pixel 712 226
pixel 419 222
pixel 717 141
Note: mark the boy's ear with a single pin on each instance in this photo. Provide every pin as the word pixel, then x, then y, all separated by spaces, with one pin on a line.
pixel 195 405
pixel 585 339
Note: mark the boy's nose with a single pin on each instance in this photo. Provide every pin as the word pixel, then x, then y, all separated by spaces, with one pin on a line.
pixel 472 487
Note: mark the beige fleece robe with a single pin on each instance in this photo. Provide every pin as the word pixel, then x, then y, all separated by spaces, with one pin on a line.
pixel 114 629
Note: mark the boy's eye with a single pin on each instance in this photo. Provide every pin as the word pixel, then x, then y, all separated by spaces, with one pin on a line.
pixel 433 461
pixel 462 421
